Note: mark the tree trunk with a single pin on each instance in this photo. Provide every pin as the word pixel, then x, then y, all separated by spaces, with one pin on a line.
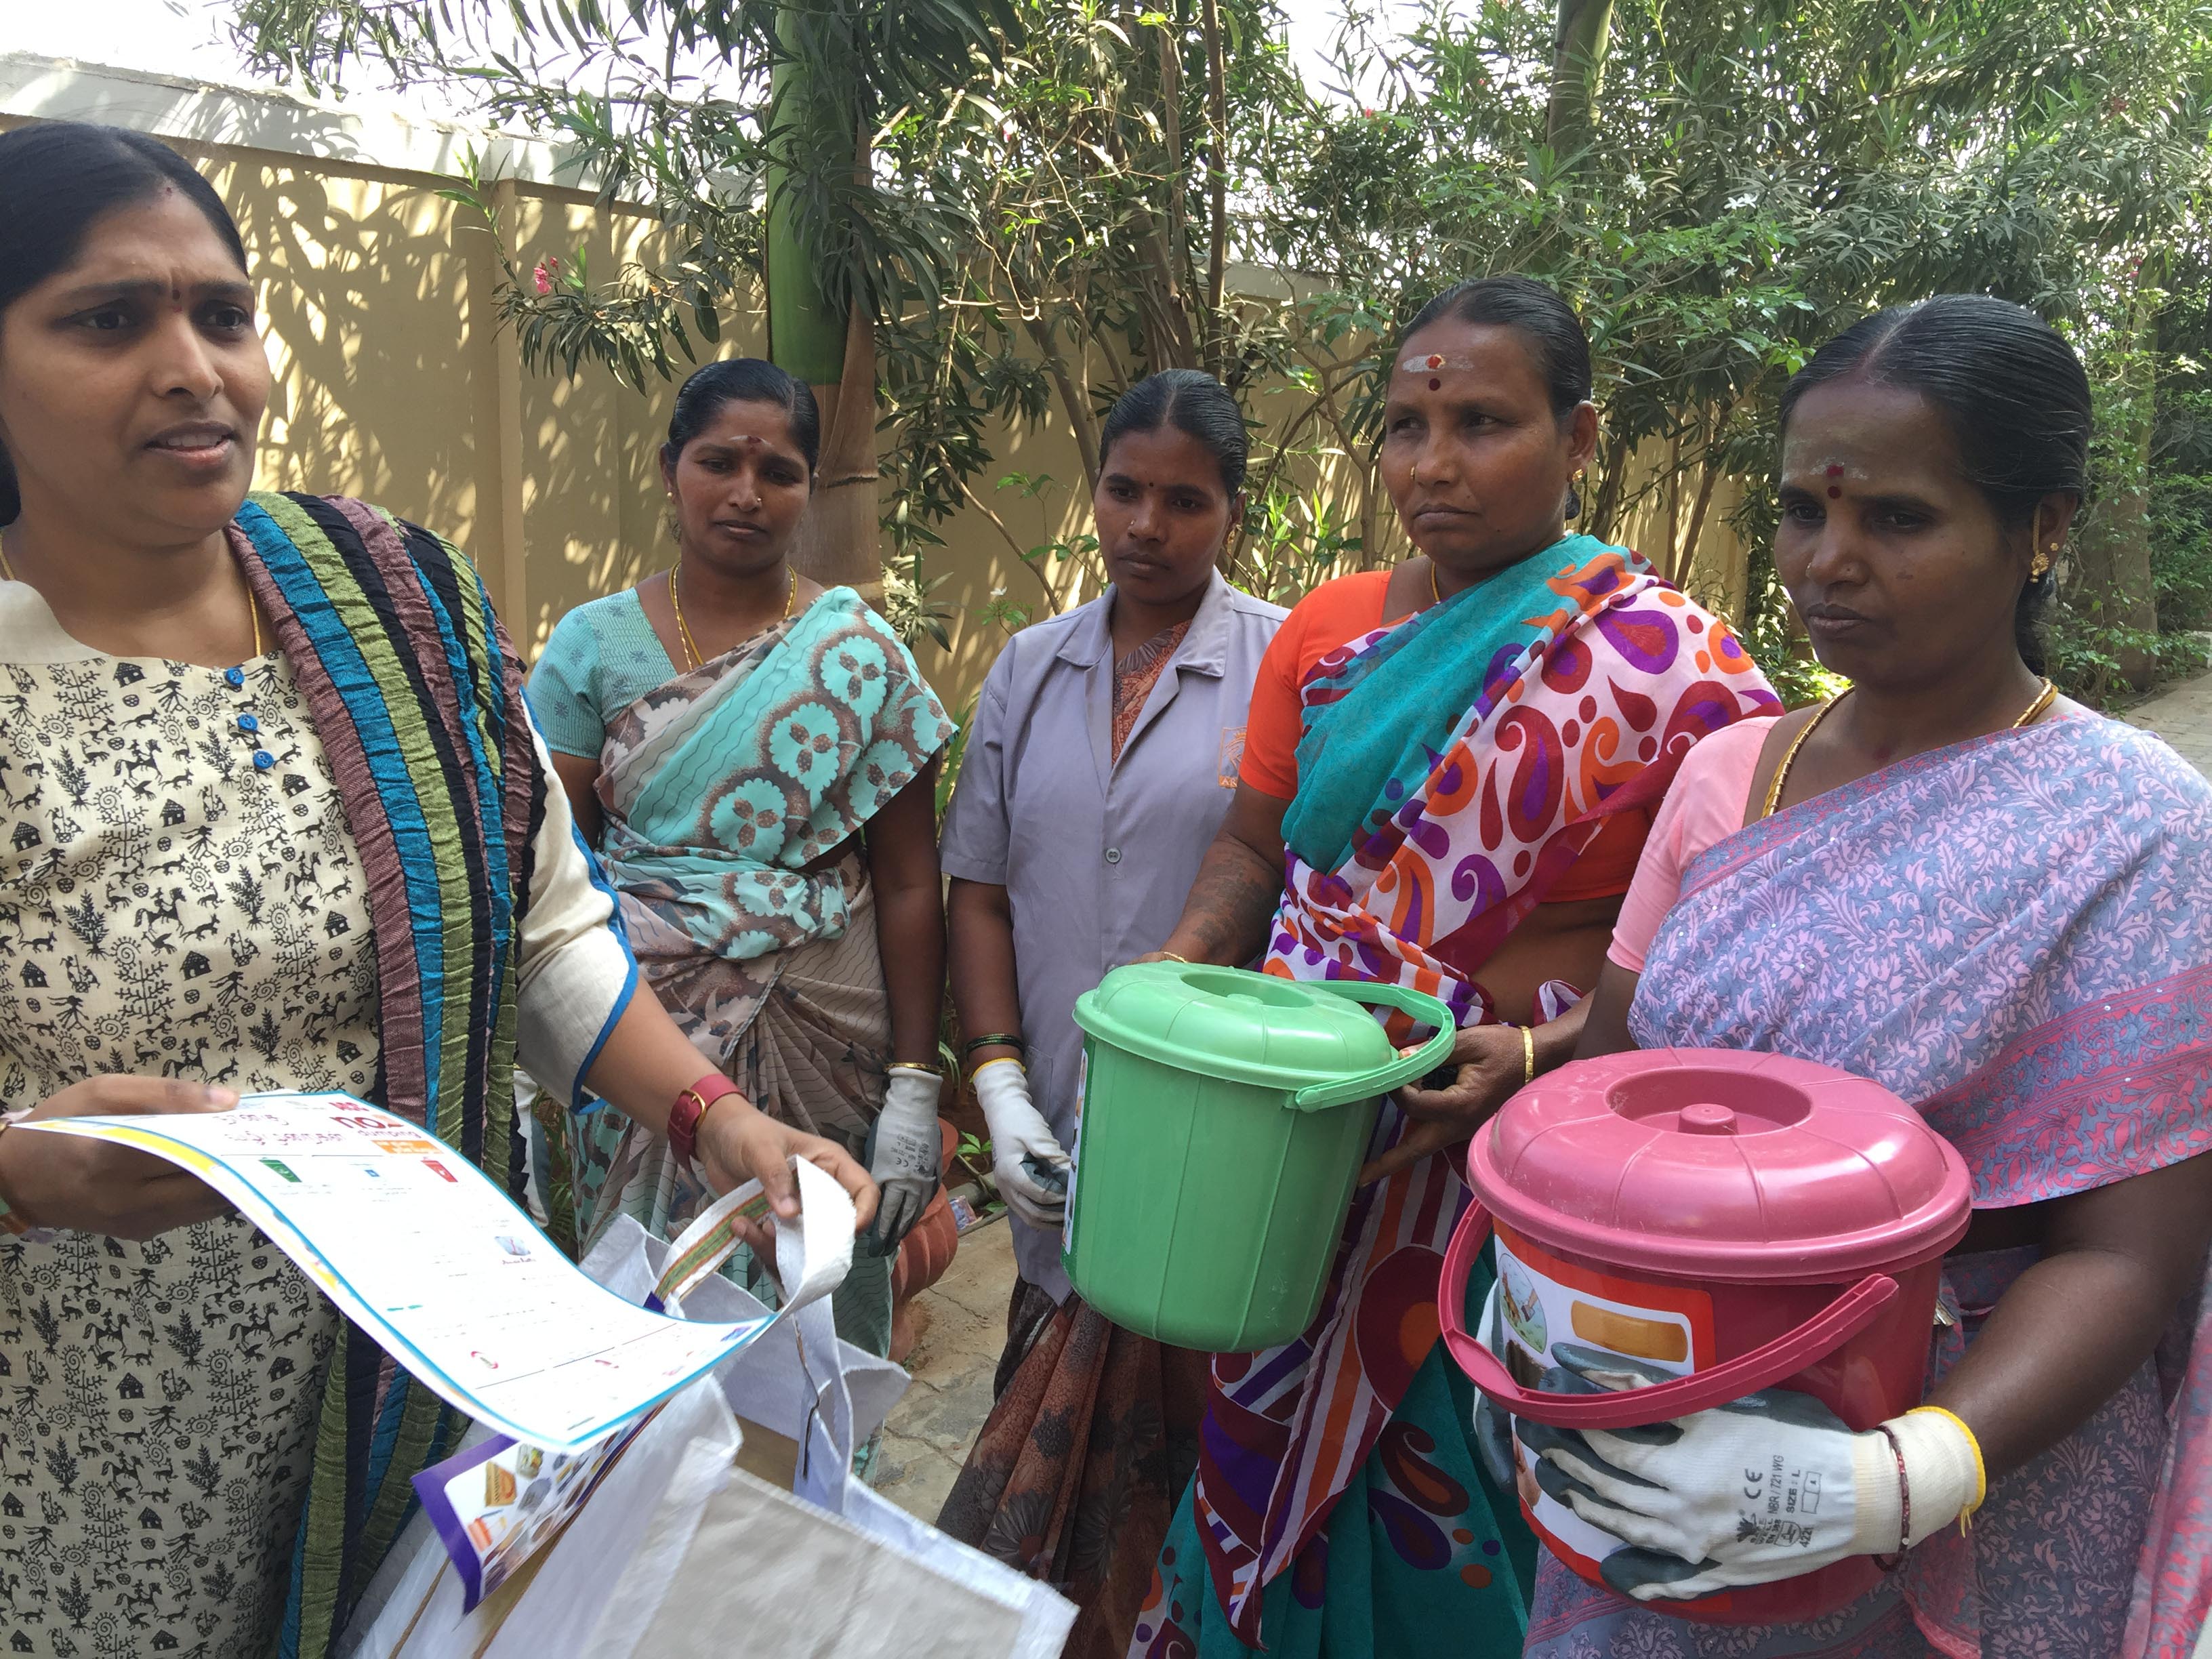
pixel 1668 562
pixel 841 537
pixel 840 542
pixel 1075 397
pixel 2111 584
pixel 1215 331
pixel 1613 470
pixel 1578 46
pixel 1686 560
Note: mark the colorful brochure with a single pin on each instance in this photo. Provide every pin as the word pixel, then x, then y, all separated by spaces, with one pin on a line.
pixel 437 1264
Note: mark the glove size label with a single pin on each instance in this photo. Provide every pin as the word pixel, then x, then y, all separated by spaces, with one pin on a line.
pixel 1779 1501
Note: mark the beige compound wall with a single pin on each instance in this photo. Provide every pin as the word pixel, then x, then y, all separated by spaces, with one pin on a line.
pixel 395 381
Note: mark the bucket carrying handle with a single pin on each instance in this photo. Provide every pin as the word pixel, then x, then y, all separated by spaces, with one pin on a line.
pixel 1361 1085
pixel 1762 1367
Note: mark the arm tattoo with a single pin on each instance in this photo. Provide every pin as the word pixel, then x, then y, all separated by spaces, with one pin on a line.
pixel 1231 902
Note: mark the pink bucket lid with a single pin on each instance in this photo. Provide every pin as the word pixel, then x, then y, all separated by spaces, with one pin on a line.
pixel 1716 1164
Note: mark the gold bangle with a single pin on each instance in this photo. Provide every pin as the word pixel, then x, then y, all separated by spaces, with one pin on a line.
pixel 1171 956
pixel 930 1066
pixel 1981 1469
pixel 1528 1056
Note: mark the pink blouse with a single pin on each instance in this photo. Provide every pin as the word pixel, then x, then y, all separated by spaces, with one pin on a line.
pixel 1705 807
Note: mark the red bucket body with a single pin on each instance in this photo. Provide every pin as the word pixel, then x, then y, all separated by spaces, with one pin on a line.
pixel 1733 1260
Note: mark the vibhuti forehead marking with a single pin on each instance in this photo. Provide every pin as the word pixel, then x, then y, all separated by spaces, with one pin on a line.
pixel 1428 363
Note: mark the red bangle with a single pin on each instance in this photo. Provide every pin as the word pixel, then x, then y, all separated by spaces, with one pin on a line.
pixel 1904 1492
pixel 690 1106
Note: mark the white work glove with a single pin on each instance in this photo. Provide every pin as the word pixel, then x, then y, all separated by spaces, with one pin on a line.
pixel 909 1153
pixel 1020 1138
pixel 1768 1487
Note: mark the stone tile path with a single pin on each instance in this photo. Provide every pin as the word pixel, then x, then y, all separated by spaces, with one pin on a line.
pixel 964 1318
pixel 2182 716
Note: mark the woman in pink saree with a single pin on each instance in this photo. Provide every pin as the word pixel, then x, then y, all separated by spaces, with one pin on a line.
pixel 1996 902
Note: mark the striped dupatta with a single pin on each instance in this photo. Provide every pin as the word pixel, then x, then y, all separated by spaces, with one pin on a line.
pixel 416 693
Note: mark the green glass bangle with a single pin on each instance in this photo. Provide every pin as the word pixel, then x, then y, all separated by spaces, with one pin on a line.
pixel 993 1039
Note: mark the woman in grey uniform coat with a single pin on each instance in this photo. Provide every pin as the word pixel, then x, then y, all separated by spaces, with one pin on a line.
pixel 1104 753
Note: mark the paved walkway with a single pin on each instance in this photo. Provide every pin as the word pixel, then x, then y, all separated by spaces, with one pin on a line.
pixel 927 1435
pixel 2182 716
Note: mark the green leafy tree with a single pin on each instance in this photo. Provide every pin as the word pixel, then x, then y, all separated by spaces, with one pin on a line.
pixel 1019 207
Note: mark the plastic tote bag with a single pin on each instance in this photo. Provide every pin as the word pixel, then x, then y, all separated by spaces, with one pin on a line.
pixel 678 1547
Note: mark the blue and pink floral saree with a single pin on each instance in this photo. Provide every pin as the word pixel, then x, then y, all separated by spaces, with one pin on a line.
pixel 2016 934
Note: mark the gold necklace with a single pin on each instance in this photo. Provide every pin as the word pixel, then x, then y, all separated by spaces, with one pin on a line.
pixel 690 645
pixel 252 609
pixel 1436 594
pixel 2032 713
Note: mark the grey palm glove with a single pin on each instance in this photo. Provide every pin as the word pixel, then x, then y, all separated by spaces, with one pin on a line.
pixel 1493 1428
pixel 908 1153
pixel 1768 1487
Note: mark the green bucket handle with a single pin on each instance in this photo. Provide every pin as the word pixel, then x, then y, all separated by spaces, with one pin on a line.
pixel 1343 1090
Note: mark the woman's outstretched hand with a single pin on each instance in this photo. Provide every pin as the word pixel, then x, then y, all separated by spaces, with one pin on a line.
pixel 737 1142
pixel 96 1185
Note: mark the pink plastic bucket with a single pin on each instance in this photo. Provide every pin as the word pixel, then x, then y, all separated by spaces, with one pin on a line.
pixel 1743 1220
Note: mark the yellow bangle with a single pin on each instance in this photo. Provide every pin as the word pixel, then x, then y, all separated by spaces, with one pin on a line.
pixel 1528 1056
pixel 1981 1469
pixel 1171 956
pixel 1003 1060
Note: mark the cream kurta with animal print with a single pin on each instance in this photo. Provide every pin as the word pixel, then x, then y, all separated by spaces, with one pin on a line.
pixel 171 906
pixel 166 907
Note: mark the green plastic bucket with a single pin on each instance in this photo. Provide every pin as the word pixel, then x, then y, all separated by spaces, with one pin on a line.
pixel 1224 1115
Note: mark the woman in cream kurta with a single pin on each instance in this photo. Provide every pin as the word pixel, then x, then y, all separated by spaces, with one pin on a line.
pixel 272 816
pixel 167 907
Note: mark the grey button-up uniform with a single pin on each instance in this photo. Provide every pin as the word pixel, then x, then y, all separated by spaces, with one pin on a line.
pixel 1096 857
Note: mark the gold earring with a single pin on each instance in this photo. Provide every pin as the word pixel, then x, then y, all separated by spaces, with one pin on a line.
pixel 2041 568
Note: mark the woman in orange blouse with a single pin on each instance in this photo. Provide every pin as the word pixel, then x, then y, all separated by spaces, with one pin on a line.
pixel 1449 772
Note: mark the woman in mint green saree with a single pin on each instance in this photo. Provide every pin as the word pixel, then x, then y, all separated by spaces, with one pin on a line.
pixel 754 757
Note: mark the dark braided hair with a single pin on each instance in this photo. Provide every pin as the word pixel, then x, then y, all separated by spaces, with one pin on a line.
pixel 1192 402
pixel 1534 310
pixel 743 380
pixel 2012 391
pixel 56 177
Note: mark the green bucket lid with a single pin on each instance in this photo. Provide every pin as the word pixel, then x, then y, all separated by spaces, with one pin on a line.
pixel 1317 1039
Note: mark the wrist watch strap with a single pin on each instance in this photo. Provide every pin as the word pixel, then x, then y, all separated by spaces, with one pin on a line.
pixel 690 1106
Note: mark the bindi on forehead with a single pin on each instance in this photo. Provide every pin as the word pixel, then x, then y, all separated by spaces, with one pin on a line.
pixel 1431 365
pixel 1835 474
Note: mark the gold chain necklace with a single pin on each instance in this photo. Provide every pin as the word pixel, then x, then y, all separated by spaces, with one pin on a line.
pixel 2032 713
pixel 690 645
pixel 252 610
